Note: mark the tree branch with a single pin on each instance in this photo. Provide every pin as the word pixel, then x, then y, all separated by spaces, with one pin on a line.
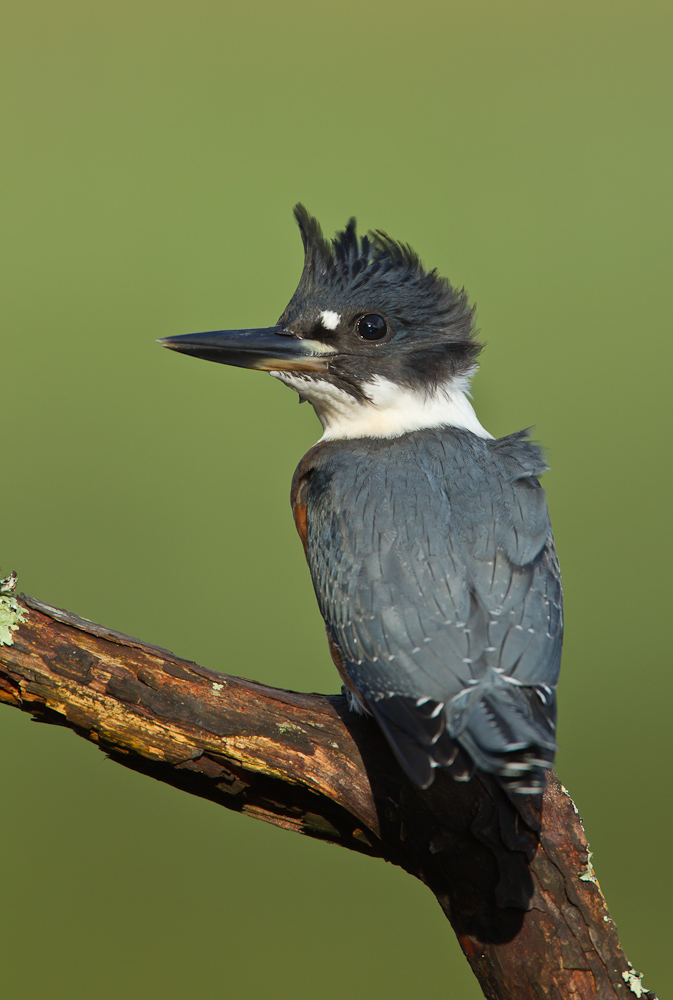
pixel 516 883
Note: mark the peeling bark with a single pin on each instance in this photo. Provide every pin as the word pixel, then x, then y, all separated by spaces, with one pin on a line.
pixel 515 881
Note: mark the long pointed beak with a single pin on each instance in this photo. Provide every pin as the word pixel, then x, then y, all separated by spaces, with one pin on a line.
pixel 268 349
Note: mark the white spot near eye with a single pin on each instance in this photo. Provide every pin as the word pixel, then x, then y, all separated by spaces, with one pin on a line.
pixel 330 320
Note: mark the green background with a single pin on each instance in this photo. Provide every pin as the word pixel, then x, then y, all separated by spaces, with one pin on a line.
pixel 152 155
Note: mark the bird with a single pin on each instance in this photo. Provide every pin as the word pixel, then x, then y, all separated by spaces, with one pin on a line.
pixel 428 540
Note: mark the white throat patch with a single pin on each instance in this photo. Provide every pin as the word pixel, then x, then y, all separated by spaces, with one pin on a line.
pixel 390 410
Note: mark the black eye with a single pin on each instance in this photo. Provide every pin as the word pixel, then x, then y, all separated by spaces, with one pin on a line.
pixel 372 327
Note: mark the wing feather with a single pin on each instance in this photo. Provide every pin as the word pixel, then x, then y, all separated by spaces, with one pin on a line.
pixel 435 570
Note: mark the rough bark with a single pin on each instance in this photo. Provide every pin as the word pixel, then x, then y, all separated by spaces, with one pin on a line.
pixel 515 882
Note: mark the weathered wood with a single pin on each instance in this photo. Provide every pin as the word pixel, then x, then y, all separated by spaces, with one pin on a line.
pixel 516 883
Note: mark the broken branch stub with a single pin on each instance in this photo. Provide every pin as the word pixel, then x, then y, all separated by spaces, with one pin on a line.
pixel 516 882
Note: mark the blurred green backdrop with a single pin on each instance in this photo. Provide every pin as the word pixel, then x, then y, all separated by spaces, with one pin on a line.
pixel 151 158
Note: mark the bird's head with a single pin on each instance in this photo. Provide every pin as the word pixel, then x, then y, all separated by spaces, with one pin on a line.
pixel 375 342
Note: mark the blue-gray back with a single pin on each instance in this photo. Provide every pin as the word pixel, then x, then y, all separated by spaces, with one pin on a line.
pixel 434 567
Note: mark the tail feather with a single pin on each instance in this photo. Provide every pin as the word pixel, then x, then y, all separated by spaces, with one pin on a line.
pixel 507 733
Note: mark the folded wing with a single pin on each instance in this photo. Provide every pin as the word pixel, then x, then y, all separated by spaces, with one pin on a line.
pixel 438 581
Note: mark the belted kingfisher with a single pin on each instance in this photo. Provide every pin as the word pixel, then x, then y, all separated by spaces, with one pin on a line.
pixel 428 540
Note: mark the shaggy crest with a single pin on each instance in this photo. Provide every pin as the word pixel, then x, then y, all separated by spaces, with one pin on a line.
pixel 361 268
